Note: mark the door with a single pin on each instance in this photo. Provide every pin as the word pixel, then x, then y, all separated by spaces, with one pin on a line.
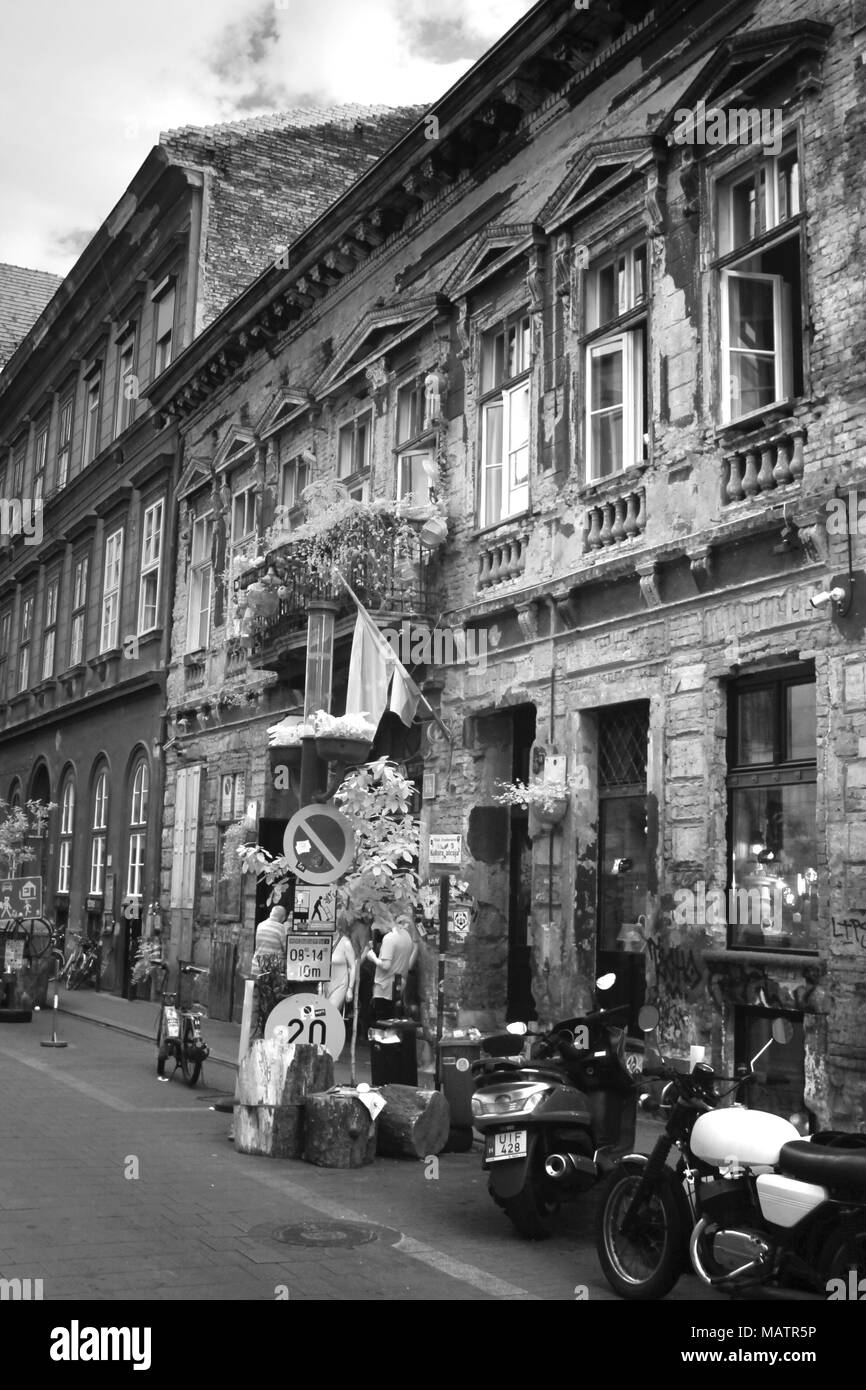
pixel 221 982
pixel 623 849
pixel 520 1005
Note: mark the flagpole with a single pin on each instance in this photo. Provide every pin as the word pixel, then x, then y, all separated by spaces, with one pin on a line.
pixel 421 694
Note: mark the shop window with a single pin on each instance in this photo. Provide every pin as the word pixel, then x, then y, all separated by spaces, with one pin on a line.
pixel 773 846
pixel 622 876
pixel 504 410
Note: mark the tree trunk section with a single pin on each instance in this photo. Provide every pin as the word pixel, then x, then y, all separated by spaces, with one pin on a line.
pixel 276 1131
pixel 274 1073
pixel 339 1132
pixel 414 1123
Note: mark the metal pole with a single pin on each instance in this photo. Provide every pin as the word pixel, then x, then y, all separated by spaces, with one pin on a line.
pixel 317 687
pixel 444 890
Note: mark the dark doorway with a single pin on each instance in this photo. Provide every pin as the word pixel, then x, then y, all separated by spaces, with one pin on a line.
pixel 520 1005
pixel 623 869
pixel 270 837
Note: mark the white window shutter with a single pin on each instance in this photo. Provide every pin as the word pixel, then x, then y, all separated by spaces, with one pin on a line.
pixel 193 787
pixel 179 836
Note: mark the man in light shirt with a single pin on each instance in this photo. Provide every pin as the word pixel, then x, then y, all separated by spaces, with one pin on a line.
pixel 395 959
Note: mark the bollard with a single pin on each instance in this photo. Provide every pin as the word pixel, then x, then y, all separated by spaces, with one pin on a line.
pixel 53 1041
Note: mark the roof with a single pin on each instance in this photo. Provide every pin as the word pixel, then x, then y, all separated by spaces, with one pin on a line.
pixel 23 295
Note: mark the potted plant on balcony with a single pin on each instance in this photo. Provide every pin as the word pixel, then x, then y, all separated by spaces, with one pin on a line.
pixel 285 740
pixel 344 739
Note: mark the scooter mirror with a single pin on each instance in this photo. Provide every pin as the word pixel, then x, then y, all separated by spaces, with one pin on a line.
pixel 605 981
pixel 782 1030
pixel 648 1018
pixel 519 1028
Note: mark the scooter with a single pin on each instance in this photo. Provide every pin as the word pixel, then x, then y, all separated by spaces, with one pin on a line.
pixel 557 1123
pixel 755 1210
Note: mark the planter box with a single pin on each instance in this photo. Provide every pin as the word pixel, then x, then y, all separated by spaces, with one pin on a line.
pixel 342 750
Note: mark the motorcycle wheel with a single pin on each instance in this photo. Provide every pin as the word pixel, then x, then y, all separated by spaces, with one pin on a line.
pixel 846 1244
pixel 531 1215
pixel 646 1263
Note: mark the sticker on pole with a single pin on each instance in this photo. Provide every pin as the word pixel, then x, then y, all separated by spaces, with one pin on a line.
pixel 319 844
pixel 307 1018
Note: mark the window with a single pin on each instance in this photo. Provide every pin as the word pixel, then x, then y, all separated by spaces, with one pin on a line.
pixel 18 457
pixel 616 395
pixel 772 762
pixel 200 583
pixel 623 882
pixel 244 535
pixel 25 638
pixel 137 831
pixel 151 550
pixel 127 384
pixel 99 835
pixel 67 819
pixel 232 795
pixel 39 460
pixel 5 634
pixel 49 629
pixel 64 442
pixel 111 591
pixel 354 446
pixel 79 605
pixel 761 312
pixel 505 421
pixel 294 478
pixel 163 300
pixel 416 464
pixel 91 419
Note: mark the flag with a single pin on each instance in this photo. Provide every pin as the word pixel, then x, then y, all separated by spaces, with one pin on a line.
pixel 370 666
pixel 405 694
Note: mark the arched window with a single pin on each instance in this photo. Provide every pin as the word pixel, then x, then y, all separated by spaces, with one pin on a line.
pixel 67 822
pixel 15 793
pixel 99 826
pixel 137 831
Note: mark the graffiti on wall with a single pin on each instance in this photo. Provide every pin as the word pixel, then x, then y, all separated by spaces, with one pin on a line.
pixel 851 930
pixel 676 977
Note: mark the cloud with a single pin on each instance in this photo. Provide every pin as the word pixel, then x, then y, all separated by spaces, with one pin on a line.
pixel 73 242
pixel 459 30
pixel 242 58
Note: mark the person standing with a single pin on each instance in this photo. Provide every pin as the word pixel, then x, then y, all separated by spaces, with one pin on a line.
pixel 343 966
pixel 270 949
pixel 395 959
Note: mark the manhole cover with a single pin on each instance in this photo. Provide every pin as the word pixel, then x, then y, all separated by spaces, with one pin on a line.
pixel 345 1235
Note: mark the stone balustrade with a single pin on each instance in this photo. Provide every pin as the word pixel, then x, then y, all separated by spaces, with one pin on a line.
pixel 501 560
pixel 766 461
pixel 616 519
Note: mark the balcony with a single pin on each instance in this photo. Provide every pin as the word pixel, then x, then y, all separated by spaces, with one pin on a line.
pixel 391 583
pixel 502 558
pixel 616 519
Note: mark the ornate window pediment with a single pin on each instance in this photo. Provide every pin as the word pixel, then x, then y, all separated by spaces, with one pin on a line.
pixel 195 476
pixel 490 252
pixel 596 173
pixel 749 65
pixel 379 332
pixel 237 444
pixel 285 407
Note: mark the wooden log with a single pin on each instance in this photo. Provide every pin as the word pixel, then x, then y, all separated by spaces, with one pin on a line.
pixel 278 1073
pixel 275 1131
pixel 339 1132
pixel 414 1123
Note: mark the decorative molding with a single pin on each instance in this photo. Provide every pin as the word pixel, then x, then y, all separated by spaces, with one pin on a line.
pixel 701 565
pixel 527 619
pixel 562 265
pixel 655 202
pixel 649 584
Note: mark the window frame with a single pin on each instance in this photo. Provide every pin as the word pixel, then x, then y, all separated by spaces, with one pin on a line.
pixel 625 330
pixel 99 833
pixel 66 834
pixel 110 612
pixel 162 354
pixel 25 641
pixel 92 412
pixel 124 411
pixel 151 567
pixel 514 496
pixel 40 458
pixel 5 643
pixel 63 457
pixel 203 524
pixel 240 545
pixel 78 612
pixel 49 626
pixel 137 846
pixel 351 428
pixel 419 443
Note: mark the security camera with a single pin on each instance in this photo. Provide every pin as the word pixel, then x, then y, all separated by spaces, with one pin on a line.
pixel 836 596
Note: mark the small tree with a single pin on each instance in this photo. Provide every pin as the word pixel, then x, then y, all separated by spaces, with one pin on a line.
pixel 18 824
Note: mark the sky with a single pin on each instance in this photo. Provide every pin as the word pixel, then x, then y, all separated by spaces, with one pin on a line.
pixel 87 85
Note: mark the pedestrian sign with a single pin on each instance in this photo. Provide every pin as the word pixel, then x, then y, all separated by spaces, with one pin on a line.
pixel 319 844
pixel 315 909
pixel 21 897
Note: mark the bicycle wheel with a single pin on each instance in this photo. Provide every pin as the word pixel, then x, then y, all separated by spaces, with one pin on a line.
pixel 161 1051
pixel 191 1069
pixel 41 937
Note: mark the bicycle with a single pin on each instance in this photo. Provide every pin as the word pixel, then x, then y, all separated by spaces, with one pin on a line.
pixel 178 1033
pixel 85 964
pixel 66 963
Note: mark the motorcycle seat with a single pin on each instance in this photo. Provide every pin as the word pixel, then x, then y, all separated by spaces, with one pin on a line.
pixel 823 1164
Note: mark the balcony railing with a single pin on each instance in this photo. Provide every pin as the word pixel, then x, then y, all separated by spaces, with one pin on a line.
pixel 502 559
pixel 766 461
pixel 616 519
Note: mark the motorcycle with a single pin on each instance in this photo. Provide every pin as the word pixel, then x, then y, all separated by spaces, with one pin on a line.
pixel 555 1124
pixel 755 1210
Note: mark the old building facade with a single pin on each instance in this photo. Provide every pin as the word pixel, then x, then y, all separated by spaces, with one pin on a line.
pixel 89 488
pixel 622 250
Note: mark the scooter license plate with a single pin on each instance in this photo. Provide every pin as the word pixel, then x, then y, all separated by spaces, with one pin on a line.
pixel 506 1143
pixel 172 1023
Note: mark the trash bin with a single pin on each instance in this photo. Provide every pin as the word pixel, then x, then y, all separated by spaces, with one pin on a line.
pixel 456 1056
pixel 393 1054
